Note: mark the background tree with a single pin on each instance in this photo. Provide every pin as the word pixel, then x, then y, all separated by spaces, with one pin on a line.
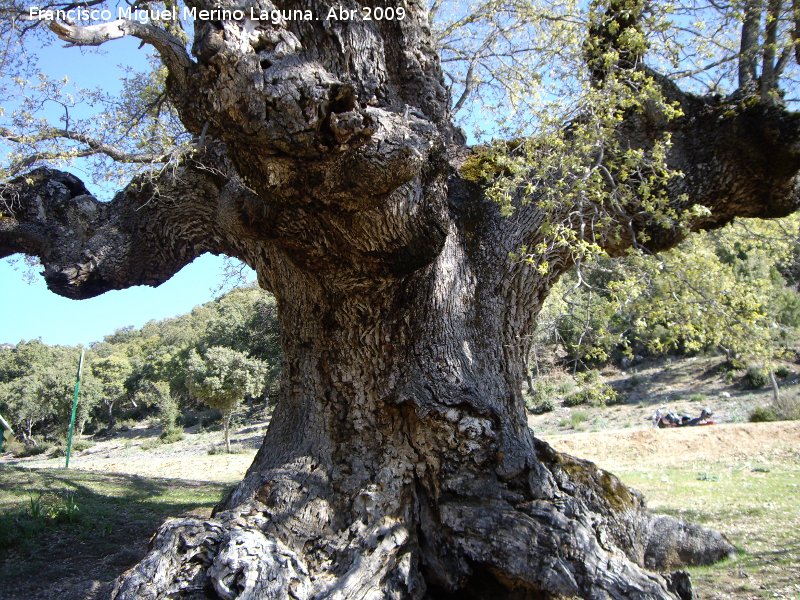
pixel 158 394
pixel 730 291
pixel 36 389
pixel 409 268
pixel 221 378
pixel 111 373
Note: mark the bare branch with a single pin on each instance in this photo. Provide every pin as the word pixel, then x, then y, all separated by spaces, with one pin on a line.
pixel 95 147
pixel 769 77
pixel 783 61
pixel 469 87
pixel 796 29
pixel 169 46
pixel 435 6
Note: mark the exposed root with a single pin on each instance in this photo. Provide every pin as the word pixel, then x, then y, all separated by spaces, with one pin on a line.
pixel 588 536
pixel 190 558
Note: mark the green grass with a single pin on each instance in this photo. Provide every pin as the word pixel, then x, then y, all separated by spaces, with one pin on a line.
pixel 756 506
pixel 577 418
pixel 56 523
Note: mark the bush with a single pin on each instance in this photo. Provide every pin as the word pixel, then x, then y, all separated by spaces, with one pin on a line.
pixel 546 390
pixel 78 445
pixel 171 435
pixel 590 377
pixel 756 377
pixel 599 394
pixel 763 414
pixel 188 419
pixel 783 372
pixel 32 450
pixel 150 444
pixel 543 406
pixel 787 408
pixel 81 445
pixel 575 399
pixel 14 446
pixel 577 418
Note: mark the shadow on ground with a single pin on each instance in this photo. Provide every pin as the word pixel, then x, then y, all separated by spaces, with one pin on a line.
pixel 68 534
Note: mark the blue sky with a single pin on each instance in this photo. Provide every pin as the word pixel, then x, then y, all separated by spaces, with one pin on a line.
pixel 30 310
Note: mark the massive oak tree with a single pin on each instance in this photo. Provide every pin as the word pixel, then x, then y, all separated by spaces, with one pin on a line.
pixel 399 463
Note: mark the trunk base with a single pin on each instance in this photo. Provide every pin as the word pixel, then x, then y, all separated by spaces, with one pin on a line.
pixel 592 538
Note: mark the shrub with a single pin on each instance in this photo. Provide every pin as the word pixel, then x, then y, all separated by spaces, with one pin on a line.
pixel 763 414
pixel 575 399
pixel 787 408
pixel 171 435
pixel 545 392
pixel 755 377
pixel 590 377
pixel 783 372
pixel 599 394
pixel 150 444
pixel 14 446
pixel 32 450
pixel 78 445
pixel 543 406
pixel 81 445
pixel 577 418
pixel 189 419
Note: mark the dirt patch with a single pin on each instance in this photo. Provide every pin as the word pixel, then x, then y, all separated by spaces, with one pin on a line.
pixel 136 452
pixel 651 448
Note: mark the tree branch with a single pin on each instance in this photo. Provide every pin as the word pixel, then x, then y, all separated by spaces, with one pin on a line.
pixel 748 49
pixel 738 157
pixel 169 46
pixel 769 71
pixel 150 230
pixel 95 147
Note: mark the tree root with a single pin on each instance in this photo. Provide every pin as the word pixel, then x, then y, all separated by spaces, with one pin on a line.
pixel 189 558
pixel 590 537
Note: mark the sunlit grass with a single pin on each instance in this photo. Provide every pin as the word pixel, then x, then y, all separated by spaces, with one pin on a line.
pixel 757 506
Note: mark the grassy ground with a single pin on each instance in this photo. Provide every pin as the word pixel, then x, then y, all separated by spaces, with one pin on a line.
pixel 757 507
pixel 64 533
pixel 740 479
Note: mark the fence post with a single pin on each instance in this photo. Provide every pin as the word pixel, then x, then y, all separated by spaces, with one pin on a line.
pixel 74 408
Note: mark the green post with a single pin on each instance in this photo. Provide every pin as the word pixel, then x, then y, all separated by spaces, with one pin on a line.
pixel 74 409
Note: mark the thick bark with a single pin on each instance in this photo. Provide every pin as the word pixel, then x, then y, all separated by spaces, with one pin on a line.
pixel 398 463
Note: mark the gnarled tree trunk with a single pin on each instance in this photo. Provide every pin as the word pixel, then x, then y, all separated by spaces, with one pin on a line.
pixel 398 463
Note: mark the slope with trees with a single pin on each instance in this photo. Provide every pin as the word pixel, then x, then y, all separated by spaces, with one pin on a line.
pixel 135 373
pixel 409 270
